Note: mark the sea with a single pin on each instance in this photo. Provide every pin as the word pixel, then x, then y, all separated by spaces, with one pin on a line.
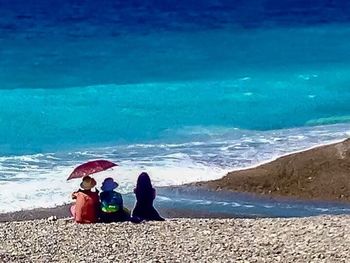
pixel 185 90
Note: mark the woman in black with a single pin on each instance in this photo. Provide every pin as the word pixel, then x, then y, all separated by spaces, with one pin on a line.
pixel 145 195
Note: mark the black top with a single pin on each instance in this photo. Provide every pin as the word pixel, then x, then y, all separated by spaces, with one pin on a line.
pixel 144 205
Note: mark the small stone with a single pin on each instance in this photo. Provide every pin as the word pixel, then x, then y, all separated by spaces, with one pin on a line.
pixel 111 257
pixel 52 218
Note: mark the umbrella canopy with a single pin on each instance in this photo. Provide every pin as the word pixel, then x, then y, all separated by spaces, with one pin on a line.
pixel 91 168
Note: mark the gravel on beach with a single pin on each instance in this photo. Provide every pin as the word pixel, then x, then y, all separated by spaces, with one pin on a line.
pixel 314 239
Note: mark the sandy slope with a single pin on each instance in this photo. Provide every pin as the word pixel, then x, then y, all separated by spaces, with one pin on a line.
pixel 322 173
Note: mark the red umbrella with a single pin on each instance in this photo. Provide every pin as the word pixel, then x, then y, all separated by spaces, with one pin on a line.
pixel 91 168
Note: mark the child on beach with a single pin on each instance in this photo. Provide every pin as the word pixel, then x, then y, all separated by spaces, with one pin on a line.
pixel 86 208
pixel 145 194
pixel 112 209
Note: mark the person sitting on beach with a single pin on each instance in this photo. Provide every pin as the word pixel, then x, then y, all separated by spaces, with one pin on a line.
pixel 86 207
pixel 145 194
pixel 112 208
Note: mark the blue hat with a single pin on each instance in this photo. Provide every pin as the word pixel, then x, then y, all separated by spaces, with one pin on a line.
pixel 109 184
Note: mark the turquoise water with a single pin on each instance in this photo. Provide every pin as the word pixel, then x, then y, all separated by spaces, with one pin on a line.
pixel 141 88
pixel 186 93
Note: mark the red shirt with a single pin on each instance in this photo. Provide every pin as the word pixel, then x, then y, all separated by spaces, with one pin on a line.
pixel 86 206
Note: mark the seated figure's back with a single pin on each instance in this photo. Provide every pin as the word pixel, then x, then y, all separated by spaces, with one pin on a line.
pixel 111 202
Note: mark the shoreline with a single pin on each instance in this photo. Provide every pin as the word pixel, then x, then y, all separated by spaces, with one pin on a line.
pixel 320 173
pixel 284 155
pixel 63 212
pixel 253 181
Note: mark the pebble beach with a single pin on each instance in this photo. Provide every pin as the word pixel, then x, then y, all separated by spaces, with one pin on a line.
pixel 313 239
pixel 238 110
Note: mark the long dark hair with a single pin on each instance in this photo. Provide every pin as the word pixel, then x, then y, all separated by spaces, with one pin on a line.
pixel 144 186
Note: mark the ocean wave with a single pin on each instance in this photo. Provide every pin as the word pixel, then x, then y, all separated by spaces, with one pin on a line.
pixel 329 120
pixel 40 180
pixel 199 110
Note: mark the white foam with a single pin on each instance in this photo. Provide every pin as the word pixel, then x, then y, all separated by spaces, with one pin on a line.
pixel 40 180
pixel 51 188
pixel 41 190
pixel 307 76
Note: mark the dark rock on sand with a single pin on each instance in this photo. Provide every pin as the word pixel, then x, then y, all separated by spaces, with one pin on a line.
pixel 321 173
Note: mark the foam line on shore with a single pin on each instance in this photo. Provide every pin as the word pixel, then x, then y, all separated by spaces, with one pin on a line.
pixel 287 154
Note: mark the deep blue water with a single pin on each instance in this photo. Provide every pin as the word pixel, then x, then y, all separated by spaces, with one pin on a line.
pixel 184 89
